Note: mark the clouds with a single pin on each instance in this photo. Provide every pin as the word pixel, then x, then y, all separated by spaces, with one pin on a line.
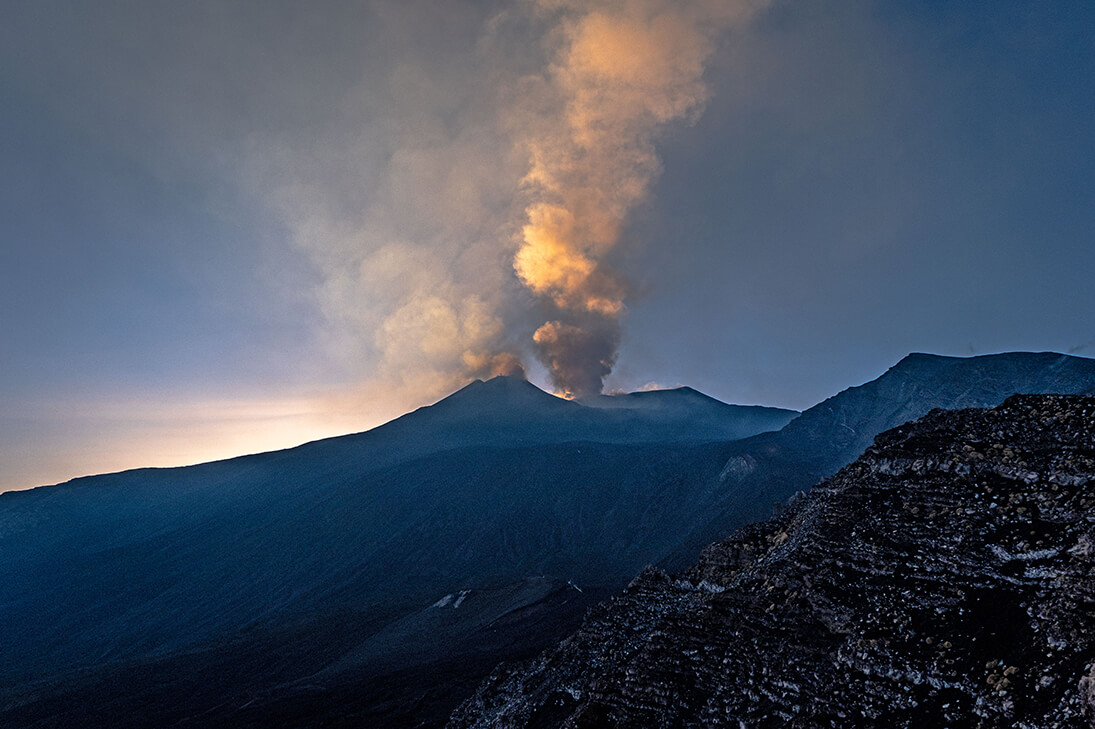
pixel 400 200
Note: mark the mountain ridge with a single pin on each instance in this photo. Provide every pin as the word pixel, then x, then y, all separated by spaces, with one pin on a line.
pixel 503 402
pixel 766 469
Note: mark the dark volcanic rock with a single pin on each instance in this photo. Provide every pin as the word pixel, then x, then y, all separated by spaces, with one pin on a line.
pixel 944 579
pixel 767 469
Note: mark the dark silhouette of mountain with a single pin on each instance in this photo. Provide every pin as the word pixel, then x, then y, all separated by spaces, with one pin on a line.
pixel 306 568
pixel 767 469
pixel 944 579
pixel 510 409
pixel 672 415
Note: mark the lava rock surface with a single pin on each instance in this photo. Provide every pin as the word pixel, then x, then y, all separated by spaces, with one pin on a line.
pixel 946 578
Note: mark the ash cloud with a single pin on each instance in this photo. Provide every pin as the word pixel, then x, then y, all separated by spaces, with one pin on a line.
pixel 620 71
pixel 403 204
pixel 461 209
pixel 578 358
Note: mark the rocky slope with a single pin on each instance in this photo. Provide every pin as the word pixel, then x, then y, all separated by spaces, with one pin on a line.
pixel 767 469
pixel 946 578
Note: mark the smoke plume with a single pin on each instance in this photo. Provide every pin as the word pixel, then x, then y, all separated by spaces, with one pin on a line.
pixel 455 203
pixel 620 71
pixel 578 358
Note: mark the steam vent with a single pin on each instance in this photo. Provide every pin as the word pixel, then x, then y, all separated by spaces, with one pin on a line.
pixel 944 579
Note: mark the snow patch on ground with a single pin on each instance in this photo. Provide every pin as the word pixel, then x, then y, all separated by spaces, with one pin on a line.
pixel 452 599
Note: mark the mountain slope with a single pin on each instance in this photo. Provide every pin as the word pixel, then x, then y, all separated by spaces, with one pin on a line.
pixel 307 556
pixel 765 470
pixel 946 578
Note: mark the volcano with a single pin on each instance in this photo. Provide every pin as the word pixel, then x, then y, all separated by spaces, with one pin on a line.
pixel 376 578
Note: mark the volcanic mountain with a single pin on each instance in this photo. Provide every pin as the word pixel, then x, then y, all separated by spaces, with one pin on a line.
pixel 340 562
pixel 944 579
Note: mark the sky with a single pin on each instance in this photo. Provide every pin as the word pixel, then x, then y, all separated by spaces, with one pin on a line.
pixel 234 226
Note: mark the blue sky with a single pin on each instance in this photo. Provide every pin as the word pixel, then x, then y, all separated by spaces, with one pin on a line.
pixel 229 227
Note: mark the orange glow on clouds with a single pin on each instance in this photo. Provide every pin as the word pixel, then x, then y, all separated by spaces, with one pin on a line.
pixel 175 430
pixel 622 70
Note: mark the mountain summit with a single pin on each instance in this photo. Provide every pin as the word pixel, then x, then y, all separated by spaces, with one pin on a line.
pixel 766 469
pixel 500 397
pixel 512 409
pixel 844 425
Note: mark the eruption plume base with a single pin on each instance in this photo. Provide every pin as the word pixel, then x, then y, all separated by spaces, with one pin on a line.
pixel 578 359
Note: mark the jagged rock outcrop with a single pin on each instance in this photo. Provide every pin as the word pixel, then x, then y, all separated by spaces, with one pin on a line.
pixel 944 579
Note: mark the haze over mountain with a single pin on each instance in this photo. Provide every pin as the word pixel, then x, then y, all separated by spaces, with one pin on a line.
pixel 377 577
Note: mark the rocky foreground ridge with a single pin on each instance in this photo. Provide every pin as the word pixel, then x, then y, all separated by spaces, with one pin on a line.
pixel 944 579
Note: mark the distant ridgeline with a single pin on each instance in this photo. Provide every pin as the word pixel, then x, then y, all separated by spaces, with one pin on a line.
pixel 375 579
